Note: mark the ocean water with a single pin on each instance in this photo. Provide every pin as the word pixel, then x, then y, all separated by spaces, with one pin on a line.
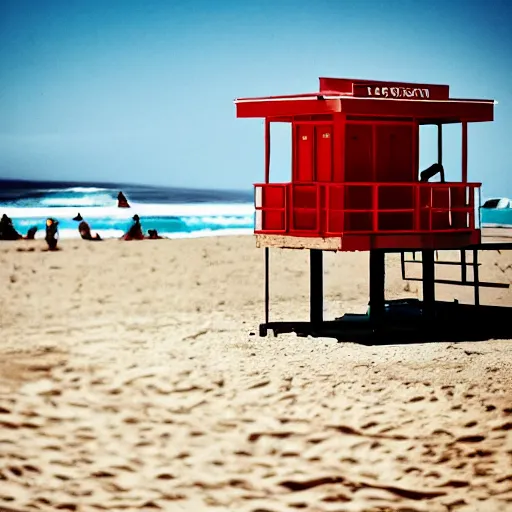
pixel 174 212
pixel 497 218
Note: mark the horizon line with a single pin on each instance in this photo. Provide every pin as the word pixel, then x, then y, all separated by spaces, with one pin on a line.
pixel 110 184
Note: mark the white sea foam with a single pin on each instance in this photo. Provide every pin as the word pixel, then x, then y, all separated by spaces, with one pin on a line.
pixel 84 201
pixel 144 210
pixel 75 190
pixel 495 225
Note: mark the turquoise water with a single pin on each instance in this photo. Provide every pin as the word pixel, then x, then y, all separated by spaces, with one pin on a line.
pixel 500 218
pixel 172 212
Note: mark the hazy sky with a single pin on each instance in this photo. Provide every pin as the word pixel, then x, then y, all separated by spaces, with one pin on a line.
pixel 142 91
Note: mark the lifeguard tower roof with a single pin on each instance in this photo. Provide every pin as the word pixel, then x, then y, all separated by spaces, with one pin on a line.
pixel 426 103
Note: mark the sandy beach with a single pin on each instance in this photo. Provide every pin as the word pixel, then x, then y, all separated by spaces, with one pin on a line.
pixel 132 378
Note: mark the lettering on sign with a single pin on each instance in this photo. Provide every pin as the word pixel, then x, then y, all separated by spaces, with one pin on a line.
pixel 376 91
pixel 326 135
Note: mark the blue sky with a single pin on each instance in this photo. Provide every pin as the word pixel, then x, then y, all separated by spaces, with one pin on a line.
pixel 142 91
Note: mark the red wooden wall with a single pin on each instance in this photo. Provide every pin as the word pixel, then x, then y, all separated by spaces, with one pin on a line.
pixel 373 152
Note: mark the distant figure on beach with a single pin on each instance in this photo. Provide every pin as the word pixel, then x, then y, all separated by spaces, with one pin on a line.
pixel 122 202
pixel 85 230
pixel 153 234
pixel 135 231
pixel 8 231
pixel 52 233
pixel 31 233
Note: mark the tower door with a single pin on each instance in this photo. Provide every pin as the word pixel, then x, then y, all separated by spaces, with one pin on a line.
pixel 312 163
pixel 304 146
pixel 323 153
pixel 313 151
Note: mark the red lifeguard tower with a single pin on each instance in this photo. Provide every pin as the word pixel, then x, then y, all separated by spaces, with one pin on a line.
pixel 356 186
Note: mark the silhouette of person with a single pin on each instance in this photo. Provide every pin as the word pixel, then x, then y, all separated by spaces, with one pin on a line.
pixel 153 234
pixel 52 233
pixel 31 233
pixel 7 230
pixel 85 230
pixel 135 231
pixel 122 202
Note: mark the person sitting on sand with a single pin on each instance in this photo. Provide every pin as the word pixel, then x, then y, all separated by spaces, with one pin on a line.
pixel 153 234
pixel 52 234
pixel 31 233
pixel 85 230
pixel 122 202
pixel 135 231
pixel 8 231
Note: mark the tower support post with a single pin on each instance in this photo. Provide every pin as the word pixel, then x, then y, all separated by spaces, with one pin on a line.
pixel 476 277
pixel 429 286
pixel 377 285
pixel 316 285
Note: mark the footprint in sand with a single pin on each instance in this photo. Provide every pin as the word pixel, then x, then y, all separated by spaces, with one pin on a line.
pixel 470 439
pixel 504 426
pixel 369 425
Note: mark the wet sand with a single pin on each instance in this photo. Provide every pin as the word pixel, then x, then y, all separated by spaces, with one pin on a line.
pixel 132 378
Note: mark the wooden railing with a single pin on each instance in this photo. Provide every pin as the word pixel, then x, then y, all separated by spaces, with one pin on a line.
pixel 333 209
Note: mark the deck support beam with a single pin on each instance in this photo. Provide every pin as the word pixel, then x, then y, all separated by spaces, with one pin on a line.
pixel 377 284
pixel 476 277
pixel 267 284
pixel 429 286
pixel 316 285
pixel 463 266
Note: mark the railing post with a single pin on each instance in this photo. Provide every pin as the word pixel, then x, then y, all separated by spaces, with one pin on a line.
pixel 267 150
pixel 479 207
pixel 292 213
pixel 375 205
pixel 343 189
pixel 327 208
pixel 471 193
pixel 430 206
pixel 417 207
pixel 318 208
pixel 255 188
pixel 450 214
pixel 285 213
